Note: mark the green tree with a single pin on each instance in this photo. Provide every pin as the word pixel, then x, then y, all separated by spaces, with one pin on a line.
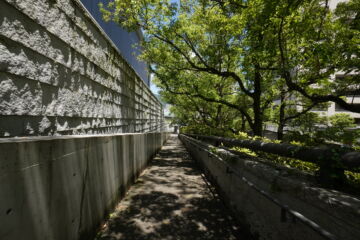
pixel 263 49
pixel 313 44
pixel 340 128
pixel 202 38
pixel 201 116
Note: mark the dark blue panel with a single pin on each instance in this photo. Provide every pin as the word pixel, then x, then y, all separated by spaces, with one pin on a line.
pixel 123 40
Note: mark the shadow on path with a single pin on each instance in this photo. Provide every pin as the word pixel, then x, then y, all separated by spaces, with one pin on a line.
pixel 170 201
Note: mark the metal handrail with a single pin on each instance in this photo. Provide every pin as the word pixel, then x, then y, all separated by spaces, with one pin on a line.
pixel 284 208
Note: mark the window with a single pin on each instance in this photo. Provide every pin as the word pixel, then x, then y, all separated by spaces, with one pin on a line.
pixel 340 109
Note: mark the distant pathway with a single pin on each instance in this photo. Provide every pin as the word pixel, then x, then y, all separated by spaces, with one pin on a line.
pixel 170 201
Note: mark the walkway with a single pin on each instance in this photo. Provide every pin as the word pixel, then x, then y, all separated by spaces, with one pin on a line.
pixel 170 201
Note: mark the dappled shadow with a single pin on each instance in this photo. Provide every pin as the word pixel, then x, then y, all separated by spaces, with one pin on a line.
pixel 170 201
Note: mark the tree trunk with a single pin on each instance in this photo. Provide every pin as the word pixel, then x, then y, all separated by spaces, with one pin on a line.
pixel 258 116
pixel 243 123
pixel 280 130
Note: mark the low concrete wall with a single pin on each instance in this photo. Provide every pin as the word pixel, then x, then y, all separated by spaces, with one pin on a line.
pixel 333 211
pixel 61 188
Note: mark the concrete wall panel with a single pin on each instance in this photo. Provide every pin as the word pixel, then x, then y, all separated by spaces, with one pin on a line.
pixel 58 188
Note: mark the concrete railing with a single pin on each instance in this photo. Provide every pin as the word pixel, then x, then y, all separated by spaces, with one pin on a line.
pixel 332 161
pixel 61 188
pixel 276 202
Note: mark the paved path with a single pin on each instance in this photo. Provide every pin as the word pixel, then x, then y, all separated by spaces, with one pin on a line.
pixel 170 201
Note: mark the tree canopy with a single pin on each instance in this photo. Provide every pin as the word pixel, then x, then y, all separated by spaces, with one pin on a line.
pixel 232 63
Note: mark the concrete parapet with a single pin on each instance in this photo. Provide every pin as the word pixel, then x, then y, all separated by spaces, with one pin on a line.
pixel 58 188
pixel 335 212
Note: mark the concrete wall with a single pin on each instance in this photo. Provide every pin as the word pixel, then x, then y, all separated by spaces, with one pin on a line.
pixel 126 42
pixel 61 188
pixel 336 212
pixel 61 75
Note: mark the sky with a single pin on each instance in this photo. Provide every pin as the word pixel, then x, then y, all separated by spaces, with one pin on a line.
pixel 153 88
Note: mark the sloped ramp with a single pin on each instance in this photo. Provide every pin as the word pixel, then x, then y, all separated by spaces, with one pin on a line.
pixel 171 200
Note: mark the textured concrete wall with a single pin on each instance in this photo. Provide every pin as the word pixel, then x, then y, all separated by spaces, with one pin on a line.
pixel 61 75
pixel 124 41
pixel 336 212
pixel 61 188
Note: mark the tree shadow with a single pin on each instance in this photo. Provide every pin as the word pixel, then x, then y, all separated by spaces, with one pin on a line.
pixel 171 201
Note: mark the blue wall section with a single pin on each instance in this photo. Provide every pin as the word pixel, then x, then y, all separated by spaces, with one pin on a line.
pixel 123 40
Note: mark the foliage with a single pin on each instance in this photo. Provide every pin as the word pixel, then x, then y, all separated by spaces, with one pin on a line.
pixel 338 129
pixel 245 136
pixel 284 161
pixel 241 56
pixel 202 117
pixel 292 163
pixel 305 129
pixel 341 121
pixel 201 129
pixel 314 43
pixel 288 162
pixel 353 177
pixel 245 151
pixel 312 129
